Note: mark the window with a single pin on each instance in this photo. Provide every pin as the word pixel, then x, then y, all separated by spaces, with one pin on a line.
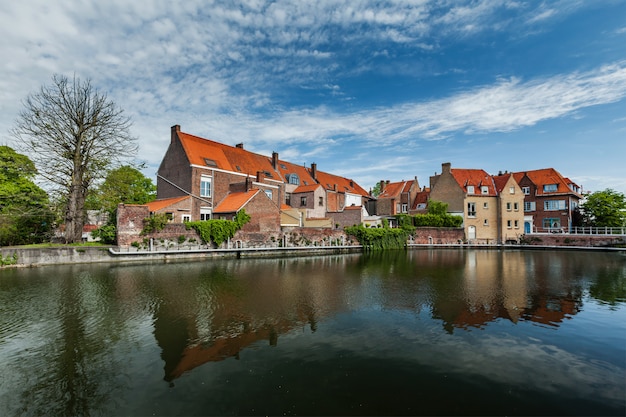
pixel 302 201
pixel 485 222
pixel 526 190
pixel 471 209
pixel 508 224
pixel 470 189
pixel 508 206
pixel 210 162
pixel 405 208
pixel 550 188
pixel 205 213
pixel 293 179
pixel 268 193
pixel 484 189
pixel 551 223
pixel 486 206
pixel 186 218
pixel 516 223
pixel 170 216
pixel 516 206
pixel 529 206
pixel 511 190
pixel 205 186
pixel 397 207
pixel 288 199
pixel 320 202
pixel 554 205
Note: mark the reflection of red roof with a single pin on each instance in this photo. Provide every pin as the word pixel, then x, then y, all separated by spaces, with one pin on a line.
pixel 157 205
pixel 234 202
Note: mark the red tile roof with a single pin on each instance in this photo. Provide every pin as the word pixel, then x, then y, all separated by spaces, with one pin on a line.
pixel 157 205
pixel 340 184
pixel 307 188
pixel 546 176
pixel 475 177
pixel 234 202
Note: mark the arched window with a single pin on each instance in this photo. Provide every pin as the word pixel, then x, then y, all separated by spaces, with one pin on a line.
pixel 293 179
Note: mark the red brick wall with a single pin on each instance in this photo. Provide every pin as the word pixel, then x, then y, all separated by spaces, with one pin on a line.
pixel 346 218
pixel 130 222
pixel 439 235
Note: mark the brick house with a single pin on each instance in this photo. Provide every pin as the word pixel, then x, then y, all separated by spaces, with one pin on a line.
pixel 396 197
pixel 482 200
pixel 420 203
pixel 550 200
pixel 216 177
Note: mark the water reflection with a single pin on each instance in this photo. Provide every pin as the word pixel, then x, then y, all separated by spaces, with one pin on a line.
pixel 75 340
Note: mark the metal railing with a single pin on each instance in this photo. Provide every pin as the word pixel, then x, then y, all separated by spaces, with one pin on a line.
pixel 601 231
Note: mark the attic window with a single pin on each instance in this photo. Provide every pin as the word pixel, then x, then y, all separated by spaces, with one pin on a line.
pixel 305 183
pixel 210 162
pixel 293 179
pixel 283 166
pixel 268 174
pixel 238 168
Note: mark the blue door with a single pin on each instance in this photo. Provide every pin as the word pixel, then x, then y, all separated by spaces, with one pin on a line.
pixel 527 227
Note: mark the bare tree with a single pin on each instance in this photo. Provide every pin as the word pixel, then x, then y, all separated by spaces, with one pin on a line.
pixel 73 133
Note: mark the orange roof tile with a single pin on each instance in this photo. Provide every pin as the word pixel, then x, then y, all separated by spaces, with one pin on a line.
pixel 307 188
pixel 475 177
pixel 235 201
pixel 394 189
pixel 343 185
pixel 546 176
pixel 157 205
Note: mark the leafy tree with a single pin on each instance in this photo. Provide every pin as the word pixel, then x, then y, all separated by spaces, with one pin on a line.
pixel 73 133
pixel 605 209
pixel 122 185
pixel 25 216
pixel 376 190
pixel 437 207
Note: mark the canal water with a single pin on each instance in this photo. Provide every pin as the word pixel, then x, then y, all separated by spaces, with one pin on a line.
pixel 418 332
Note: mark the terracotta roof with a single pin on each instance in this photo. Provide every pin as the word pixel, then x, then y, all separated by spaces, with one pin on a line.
pixel 393 189
pixel 234 202
pixel 546 176
pixel 341 184
pixel 475 177
pixel 157 205
pixel 500 181
pixel 421 197
pixel 307 188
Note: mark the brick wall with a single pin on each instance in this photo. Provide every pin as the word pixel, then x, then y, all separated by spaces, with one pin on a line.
pixel 438 235
pixel 130 223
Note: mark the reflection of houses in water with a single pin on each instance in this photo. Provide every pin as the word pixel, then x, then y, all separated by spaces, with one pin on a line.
pixel 493 290
pixel 231 309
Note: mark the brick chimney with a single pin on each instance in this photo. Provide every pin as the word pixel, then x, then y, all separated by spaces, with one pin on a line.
pixel 174 132
pixel 260 176
pixel 275 160
pixel 382 186
pixel 445 167
pixel 314 171
pixel 239 145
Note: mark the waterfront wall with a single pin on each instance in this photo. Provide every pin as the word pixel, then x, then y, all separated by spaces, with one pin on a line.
pixel 560 239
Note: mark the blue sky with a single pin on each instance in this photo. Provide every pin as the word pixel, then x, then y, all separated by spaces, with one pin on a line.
pixel 368 90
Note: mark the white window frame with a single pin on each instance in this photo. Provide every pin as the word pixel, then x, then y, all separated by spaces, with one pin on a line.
pixel 484 189
pixel 471 209
pixel 526 190
pixel 470 189
pixel 206 185
pixel 530 206
pixel 553 205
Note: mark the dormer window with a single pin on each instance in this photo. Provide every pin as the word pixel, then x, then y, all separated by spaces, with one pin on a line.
pixel 484 189
pixel 550 188
pixel 293 179
pixel 470 189
pixel 210 162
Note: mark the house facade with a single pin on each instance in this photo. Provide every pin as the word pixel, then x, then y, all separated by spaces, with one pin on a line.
pixel 486 203
pixel 550 200
pixel 396 197
pixel 219 178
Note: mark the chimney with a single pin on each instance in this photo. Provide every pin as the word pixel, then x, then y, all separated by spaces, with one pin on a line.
pixel 239 145
pixel 445 167
pixel 275 160
pixel 248 183
pixel 174 132
pixel 382 186
pixel 314 171
pixel 260 176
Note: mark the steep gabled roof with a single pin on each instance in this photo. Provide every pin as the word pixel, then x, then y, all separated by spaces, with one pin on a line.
pixel 500 181
pixel 157 205
pixel 394 189
pixel 307 188
pixel 234 202
pixel 205 152
pixel 421 197
pixel 546 176
pixel 287 168
pixel 475 177
pixel 340 184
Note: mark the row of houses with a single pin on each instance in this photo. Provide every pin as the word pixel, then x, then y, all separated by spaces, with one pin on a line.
pixel 201 179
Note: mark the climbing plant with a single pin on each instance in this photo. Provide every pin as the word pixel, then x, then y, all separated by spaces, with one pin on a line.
pixel 217 230
pixel 154 223
pixel 379 238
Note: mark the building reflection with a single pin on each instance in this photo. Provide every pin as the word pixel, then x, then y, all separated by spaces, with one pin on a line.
pixel 219 309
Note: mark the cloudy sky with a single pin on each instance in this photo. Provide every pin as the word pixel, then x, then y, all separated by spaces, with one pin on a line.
pixel 368 90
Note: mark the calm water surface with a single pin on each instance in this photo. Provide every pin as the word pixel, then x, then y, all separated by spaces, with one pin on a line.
pixel 420 332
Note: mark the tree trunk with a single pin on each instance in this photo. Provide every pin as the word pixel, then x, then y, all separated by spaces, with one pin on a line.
pixel 74 215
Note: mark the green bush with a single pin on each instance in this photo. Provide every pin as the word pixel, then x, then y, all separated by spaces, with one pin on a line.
pixel 218 231
pixel 379 238
pixel 106 233
pixel 154 223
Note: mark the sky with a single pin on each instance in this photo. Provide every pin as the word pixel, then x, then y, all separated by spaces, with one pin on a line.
pixel 369 90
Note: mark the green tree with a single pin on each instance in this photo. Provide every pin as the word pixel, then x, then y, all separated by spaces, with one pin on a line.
pixel 605 209
pixel 25 216
pixel 121 185
pixel 437 207
pixel 73 133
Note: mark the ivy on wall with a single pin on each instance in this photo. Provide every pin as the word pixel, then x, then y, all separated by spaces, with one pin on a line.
pixel 217 230
pixel 379 238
